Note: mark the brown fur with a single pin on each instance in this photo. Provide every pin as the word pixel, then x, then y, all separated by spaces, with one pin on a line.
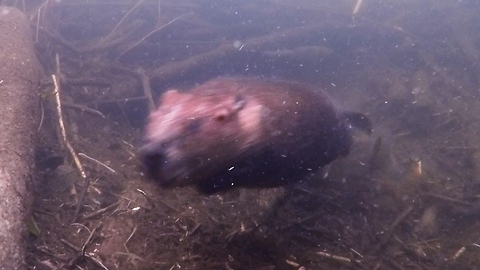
pixel 242 132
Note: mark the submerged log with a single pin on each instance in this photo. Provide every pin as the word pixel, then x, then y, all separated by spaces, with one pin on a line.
pixel 19 76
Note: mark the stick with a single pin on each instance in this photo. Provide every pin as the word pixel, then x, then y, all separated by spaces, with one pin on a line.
pixel 64 142
pixel 100 211
pixel 391 229
pixel 84 109
pixel 147 90
pixel 335 257
pixel 357 7
pixel 89 239
pixel 98 162
pixel 80 200
pixel 172 69
pixel 124 17
pixel 151 33
pixel 128 239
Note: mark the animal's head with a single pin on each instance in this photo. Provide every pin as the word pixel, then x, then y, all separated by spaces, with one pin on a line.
pixel 190 135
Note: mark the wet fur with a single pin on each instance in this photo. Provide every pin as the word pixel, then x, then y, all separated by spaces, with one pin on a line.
pixel 244 132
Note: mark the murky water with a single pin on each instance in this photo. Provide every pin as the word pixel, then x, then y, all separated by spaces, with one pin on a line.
pixel 406 197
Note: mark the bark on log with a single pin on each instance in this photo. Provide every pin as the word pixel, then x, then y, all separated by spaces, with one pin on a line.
pixel 19 76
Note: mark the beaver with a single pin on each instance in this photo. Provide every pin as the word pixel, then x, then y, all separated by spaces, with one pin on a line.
pixel 245 132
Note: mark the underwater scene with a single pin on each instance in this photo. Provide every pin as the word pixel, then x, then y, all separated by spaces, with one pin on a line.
pixel 254 134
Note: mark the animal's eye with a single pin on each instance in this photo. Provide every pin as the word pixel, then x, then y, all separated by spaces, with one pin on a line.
pixel 194 125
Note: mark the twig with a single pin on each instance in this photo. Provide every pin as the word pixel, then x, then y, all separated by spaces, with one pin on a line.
pixel 38 26
pixel 101 211
pixel 167 205
pixel 335 257
pixel 128 255
pixel 357 7
pixel 124 17
pixel 231 235
pixel 459 253
pixel 159 11
pixel 98 162
pixel 42 116
pixel 172 69
pixel 194 229
pixel 292 263
pixel 38 11
pixel 98 82
pixel 70 245
pixel 448 199
pixel 128 239
pixel 80 200
pixel 84 109
pixel 82 226
pixel 391 229
pixel 61 124
pixel 96 261
pixel 151 33
pixel 147 90
pixel 60 40
pixel 89 239
pixel 122 100
pixel 81 251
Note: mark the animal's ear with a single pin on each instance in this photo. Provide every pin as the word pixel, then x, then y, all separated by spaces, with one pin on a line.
pixel 172 97
pixel 237 104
